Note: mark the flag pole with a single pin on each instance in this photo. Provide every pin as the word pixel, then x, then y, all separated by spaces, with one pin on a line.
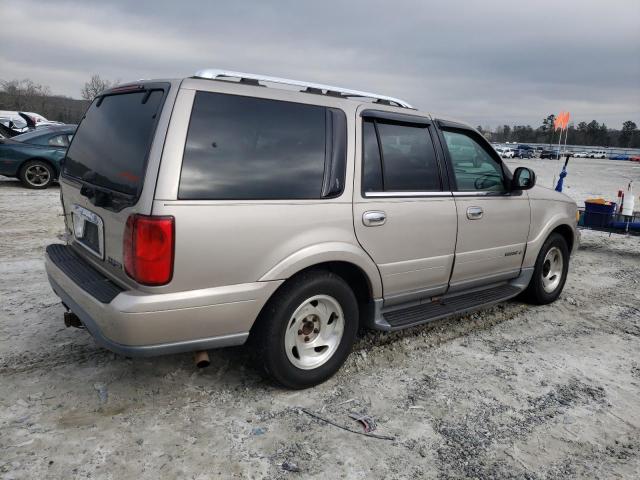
pixel 566 132
pixel 559 142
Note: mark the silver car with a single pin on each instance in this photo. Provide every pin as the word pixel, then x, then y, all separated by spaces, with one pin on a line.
pixel 229 207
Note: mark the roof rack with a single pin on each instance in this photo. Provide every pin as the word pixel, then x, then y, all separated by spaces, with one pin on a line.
pixel 253 79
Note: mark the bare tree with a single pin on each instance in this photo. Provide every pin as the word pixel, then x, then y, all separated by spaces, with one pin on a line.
pixel 95 86
pixel 28 96
pixel 23 94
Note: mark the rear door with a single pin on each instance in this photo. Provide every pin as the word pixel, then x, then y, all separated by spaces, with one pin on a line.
pixel 110 169
pixel 493 223
pixel 404 212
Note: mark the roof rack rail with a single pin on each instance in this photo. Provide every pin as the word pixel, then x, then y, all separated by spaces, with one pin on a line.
pixel 252 78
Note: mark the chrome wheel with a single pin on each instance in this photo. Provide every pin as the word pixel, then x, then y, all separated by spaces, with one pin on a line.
pixel 552 269
pixel 37 175
pixel 314 332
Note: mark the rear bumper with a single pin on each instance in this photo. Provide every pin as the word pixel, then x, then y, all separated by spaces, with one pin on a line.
pixel 139 324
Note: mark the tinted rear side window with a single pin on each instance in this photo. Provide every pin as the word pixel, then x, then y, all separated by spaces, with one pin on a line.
pixel 112 143
pixel 250 148
pixel 408 157
pixel 372 167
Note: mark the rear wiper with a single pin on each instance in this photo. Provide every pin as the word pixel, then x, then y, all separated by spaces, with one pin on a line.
pixel 96 196
pixel 105 197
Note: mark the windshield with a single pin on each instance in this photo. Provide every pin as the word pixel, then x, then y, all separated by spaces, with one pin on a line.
pixel 112 143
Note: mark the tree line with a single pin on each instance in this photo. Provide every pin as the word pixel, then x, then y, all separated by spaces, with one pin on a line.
pixel 592 134
pixel 28 96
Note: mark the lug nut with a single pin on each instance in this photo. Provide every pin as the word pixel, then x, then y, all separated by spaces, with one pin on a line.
pixel 306 339
pixel 316 330
pixel 299 332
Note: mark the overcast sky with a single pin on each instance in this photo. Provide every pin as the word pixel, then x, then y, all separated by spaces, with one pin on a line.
pixel 485 62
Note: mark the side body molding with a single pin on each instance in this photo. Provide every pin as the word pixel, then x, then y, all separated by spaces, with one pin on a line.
pixel 327 252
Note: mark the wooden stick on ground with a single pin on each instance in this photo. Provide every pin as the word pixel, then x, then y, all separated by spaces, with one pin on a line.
pixel 343 427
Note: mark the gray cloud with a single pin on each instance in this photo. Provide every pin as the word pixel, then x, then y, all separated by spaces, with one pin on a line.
pixel 483 62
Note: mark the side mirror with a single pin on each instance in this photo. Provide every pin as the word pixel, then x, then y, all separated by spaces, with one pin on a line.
pixel 523 179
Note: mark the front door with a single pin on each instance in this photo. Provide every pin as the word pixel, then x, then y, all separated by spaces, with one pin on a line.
pixel 404 212
pixel 493 223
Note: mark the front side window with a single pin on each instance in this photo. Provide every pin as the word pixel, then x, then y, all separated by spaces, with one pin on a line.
pixel 398 157
pixel 474 168
pixel 250 148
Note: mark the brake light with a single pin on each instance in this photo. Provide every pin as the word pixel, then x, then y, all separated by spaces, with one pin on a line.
pixel 148 247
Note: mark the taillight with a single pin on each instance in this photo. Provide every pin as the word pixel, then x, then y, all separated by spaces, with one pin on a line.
pixel 148 249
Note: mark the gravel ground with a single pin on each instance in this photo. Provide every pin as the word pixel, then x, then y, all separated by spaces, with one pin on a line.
pixel 515 391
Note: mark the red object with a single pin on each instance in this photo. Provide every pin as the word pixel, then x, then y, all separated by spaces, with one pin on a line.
pixel 620 199
pixel 148 249
pixel 635 158
pixel 125 88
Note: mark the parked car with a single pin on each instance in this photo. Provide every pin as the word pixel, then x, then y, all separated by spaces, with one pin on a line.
pixel 229 212
pixel 16 123
pixel 619 156
pixel 18 116
pixel 505 152
pixel 597 154
pixel 635 158
pixel 34 157
pixel 581 155
pixel 549 153
pixel 524 151
pixel 11 128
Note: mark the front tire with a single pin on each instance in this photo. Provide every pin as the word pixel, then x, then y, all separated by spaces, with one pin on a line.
pixel 550 272
pixel 36 174
pixel 306 331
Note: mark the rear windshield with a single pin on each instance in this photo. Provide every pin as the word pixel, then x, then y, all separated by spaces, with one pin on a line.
pixel 112 143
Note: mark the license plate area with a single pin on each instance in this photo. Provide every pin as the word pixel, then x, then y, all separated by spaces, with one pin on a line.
pixel 88 230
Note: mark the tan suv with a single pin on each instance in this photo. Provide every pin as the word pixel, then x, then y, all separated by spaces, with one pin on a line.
pixel 208 211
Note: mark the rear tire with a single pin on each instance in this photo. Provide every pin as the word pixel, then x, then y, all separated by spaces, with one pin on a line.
pixel 37 174
pixel 550 272
pixel 306 331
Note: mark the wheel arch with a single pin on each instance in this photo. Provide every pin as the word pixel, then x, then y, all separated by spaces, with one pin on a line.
pixel 360 282
pixel 347 261
pixel 341 257
pixel 565 232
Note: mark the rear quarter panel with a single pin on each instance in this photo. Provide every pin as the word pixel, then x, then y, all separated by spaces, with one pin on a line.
pixel 231 242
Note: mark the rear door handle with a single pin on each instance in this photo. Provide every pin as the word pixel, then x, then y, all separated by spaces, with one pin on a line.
pixel 474 213
pixel 374 218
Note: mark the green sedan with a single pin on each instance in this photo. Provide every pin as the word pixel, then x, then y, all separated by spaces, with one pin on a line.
pixel 35 157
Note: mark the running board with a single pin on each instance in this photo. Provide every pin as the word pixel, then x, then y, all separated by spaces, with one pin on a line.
pixel 399 317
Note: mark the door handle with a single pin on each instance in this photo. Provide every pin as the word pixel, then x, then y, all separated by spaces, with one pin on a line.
pixel 474 213
pixel 374 218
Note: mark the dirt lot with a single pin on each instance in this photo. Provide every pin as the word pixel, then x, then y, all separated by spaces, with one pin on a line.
pixel 511 392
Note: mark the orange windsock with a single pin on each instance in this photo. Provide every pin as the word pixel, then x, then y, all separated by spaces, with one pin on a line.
pixel 557 123
pixel 565 120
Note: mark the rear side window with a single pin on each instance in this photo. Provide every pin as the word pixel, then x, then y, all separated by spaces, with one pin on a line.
pixel 398 158
pixel 59 141
pixel 250 148
pixel 372 163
